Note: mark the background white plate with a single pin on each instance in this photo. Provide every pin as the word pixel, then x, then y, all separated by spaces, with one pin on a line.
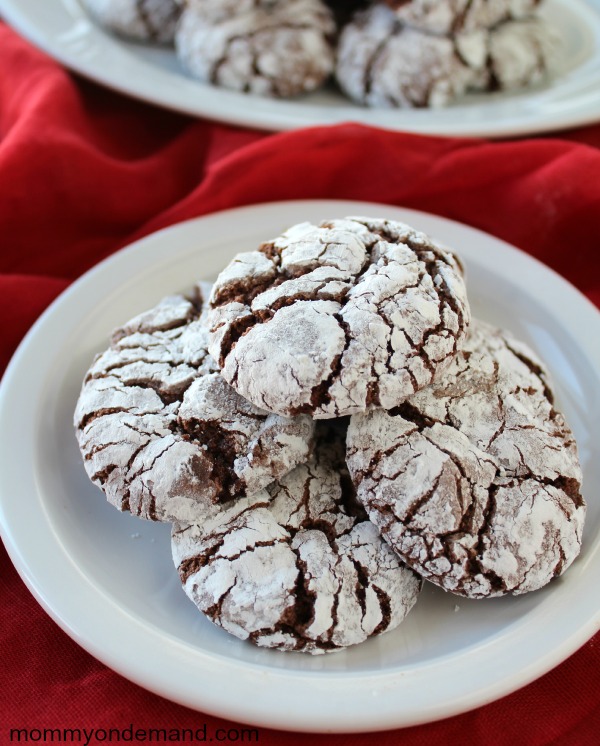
pixel 108 578
pixel 572 97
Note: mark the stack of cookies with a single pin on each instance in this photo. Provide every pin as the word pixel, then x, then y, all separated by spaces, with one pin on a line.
pixel 381 53
pixel 325 428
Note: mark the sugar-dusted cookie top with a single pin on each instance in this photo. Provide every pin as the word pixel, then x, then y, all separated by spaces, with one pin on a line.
pixel 338 318
pixel 382 62
pixel 160 431
pixel 475 482
pixel 457 16
pixel 148 20
pixel 297 567
pixel 278 49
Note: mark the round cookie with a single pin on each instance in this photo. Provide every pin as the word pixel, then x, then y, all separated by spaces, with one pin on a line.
pixel 384 63
pixel 147 20
pixel 457 16
pixel 160 431
pixel 475 482
pixel 281 49
pixel 337 318
pixel 297 567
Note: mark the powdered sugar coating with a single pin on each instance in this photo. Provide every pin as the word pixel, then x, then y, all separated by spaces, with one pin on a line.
pixel 297 567
pixel 521 53
pixel 475 482
pixel 337 318
pixel 148 20
pixel 160 431
pixel 384 63
pixel 457 16
pixel 281 49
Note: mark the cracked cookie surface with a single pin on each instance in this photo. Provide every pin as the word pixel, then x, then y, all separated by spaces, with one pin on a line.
pixel 475 482
pixel 457 16
pixel 297 567
pixel 338 318
pixel 147 20
pixel 160 431
pixel 385 63
pixel 280 49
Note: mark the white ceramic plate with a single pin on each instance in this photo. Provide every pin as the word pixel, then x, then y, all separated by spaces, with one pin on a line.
pixel 108 578
pixel 572 97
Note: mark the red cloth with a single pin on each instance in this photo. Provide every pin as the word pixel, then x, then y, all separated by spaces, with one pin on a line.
pixel 83 171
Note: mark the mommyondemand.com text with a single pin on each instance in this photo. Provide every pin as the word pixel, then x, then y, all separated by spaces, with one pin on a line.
pixel 132 734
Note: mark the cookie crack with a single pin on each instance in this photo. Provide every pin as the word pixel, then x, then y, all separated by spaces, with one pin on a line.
pixel 385 606
pixel 496 582
pixel 348 500
pixel 214 611
pixel 534 565
pixel 569 486
pixel 369 75
pixel 167 397
pixel 536 369
pixel 297 617
pixel 335 606
pixel 254 547
pixel 412 414
pixel 145 468
pixel 315 294
pixel 103 412
pixel 461 19
pixel 421 501
pixel 446 297
pixel 361 474
pixel 301 504
pixel 321 396
pixel 391 352
pixel 192 565
pixel 360 586
pixel 235 330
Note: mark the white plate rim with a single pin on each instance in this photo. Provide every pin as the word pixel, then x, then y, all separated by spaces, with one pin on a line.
pixel 79 43
pixel 106 643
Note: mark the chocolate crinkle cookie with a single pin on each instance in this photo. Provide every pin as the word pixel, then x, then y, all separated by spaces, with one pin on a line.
pixel 383 62
pixel 160 431
pixel 457 16
pixel 278 49
pixel 147 20
pixel 297 567
pixel 475 482
pixel 337 318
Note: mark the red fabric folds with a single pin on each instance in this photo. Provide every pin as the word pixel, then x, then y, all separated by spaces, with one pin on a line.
pixel 84 171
